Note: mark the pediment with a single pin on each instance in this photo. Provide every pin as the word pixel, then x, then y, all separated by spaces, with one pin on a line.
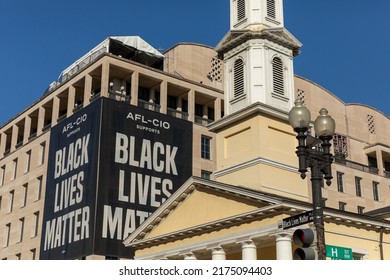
pixel 202 203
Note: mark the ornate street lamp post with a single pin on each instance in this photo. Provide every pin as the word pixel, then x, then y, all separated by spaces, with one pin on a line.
pixel 318 159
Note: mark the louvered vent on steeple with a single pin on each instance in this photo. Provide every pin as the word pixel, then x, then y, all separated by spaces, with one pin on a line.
pixel 271 9
pixel 277 75
pixel 239 85
pixel 241 14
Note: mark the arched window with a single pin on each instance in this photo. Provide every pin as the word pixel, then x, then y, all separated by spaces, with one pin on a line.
pixel 271 9
pixel 241 10
pixel 238 78
pixel 277 76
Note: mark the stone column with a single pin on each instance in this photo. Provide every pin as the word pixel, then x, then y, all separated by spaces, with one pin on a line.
pixel 249 250
pixel 41 120
pixel 218 253
pixel 55 110
pixel 14 137
pixel 283 246
pixel 191 105
pixel 163 96
pixel 71 100
pixel 217 108
pixel 3 138
pixel 87 89
pixel 379 160
pixel 105 79
pixel 134 88
pixel 27 129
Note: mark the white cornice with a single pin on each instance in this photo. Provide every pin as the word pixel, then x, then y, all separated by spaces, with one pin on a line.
pixel 254 109
pixel 259 160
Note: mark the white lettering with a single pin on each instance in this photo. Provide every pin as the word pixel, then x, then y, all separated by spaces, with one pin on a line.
pixel 71 157
pixel 113 225
pixel 153 156
pixel 66 229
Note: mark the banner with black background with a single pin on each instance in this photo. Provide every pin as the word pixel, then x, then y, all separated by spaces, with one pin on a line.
pixel 136 159
pixel 68 219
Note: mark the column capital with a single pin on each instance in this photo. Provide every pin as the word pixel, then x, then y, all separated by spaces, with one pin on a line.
pixel 189 256
pixel 249 249
pixel 283 234
pixel 218 253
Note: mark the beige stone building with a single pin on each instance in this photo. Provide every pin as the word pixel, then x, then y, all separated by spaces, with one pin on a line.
pixel 237 96
pixel 186 83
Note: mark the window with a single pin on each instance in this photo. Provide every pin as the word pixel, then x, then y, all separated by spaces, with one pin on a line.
pixel 21 229
pixel 14 169
pixel 11 201
pixel 33 253
pixel 358 186
pixel 7 234
pixel 342 206
pixel 360 210
pixel 372 164
pixel 271 10
pixel 198 110
pixel 375 190
pixel 172 102
pixel 2 175
pixel 38 191
pixel 277 76
pixel 340 145
pixel 340 186
pixel 36 223
pixel 205 147
pixel 28 161
pixel 241 14
pixel 42 153
pixel 205 174
pixel 210 113
pixel 24 197
pixel 143 93
pixel 238 78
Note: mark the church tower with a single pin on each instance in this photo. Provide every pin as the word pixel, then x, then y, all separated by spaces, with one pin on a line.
pixel 255 145
pixel 258 55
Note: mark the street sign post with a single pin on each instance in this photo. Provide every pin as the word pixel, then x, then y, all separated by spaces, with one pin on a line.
pixel 338 253
pixel 297 220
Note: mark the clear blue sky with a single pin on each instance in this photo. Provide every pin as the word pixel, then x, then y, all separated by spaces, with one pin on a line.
pixel 345 50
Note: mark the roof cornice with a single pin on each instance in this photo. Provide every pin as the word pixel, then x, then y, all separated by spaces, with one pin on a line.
pixel 257 108
pixel 281 36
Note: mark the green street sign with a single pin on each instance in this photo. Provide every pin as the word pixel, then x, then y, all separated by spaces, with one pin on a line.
pixel 338 253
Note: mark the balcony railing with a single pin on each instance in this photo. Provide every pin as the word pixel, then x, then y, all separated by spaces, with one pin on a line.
pixel 177 114
pixel 119 96
pixel 356 165
pixel 149 105
pixel 202 121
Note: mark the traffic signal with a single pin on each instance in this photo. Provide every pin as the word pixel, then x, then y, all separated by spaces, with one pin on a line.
pixel 306 239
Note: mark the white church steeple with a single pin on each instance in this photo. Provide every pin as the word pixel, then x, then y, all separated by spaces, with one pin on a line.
pixel 258 56
pixel 246 13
